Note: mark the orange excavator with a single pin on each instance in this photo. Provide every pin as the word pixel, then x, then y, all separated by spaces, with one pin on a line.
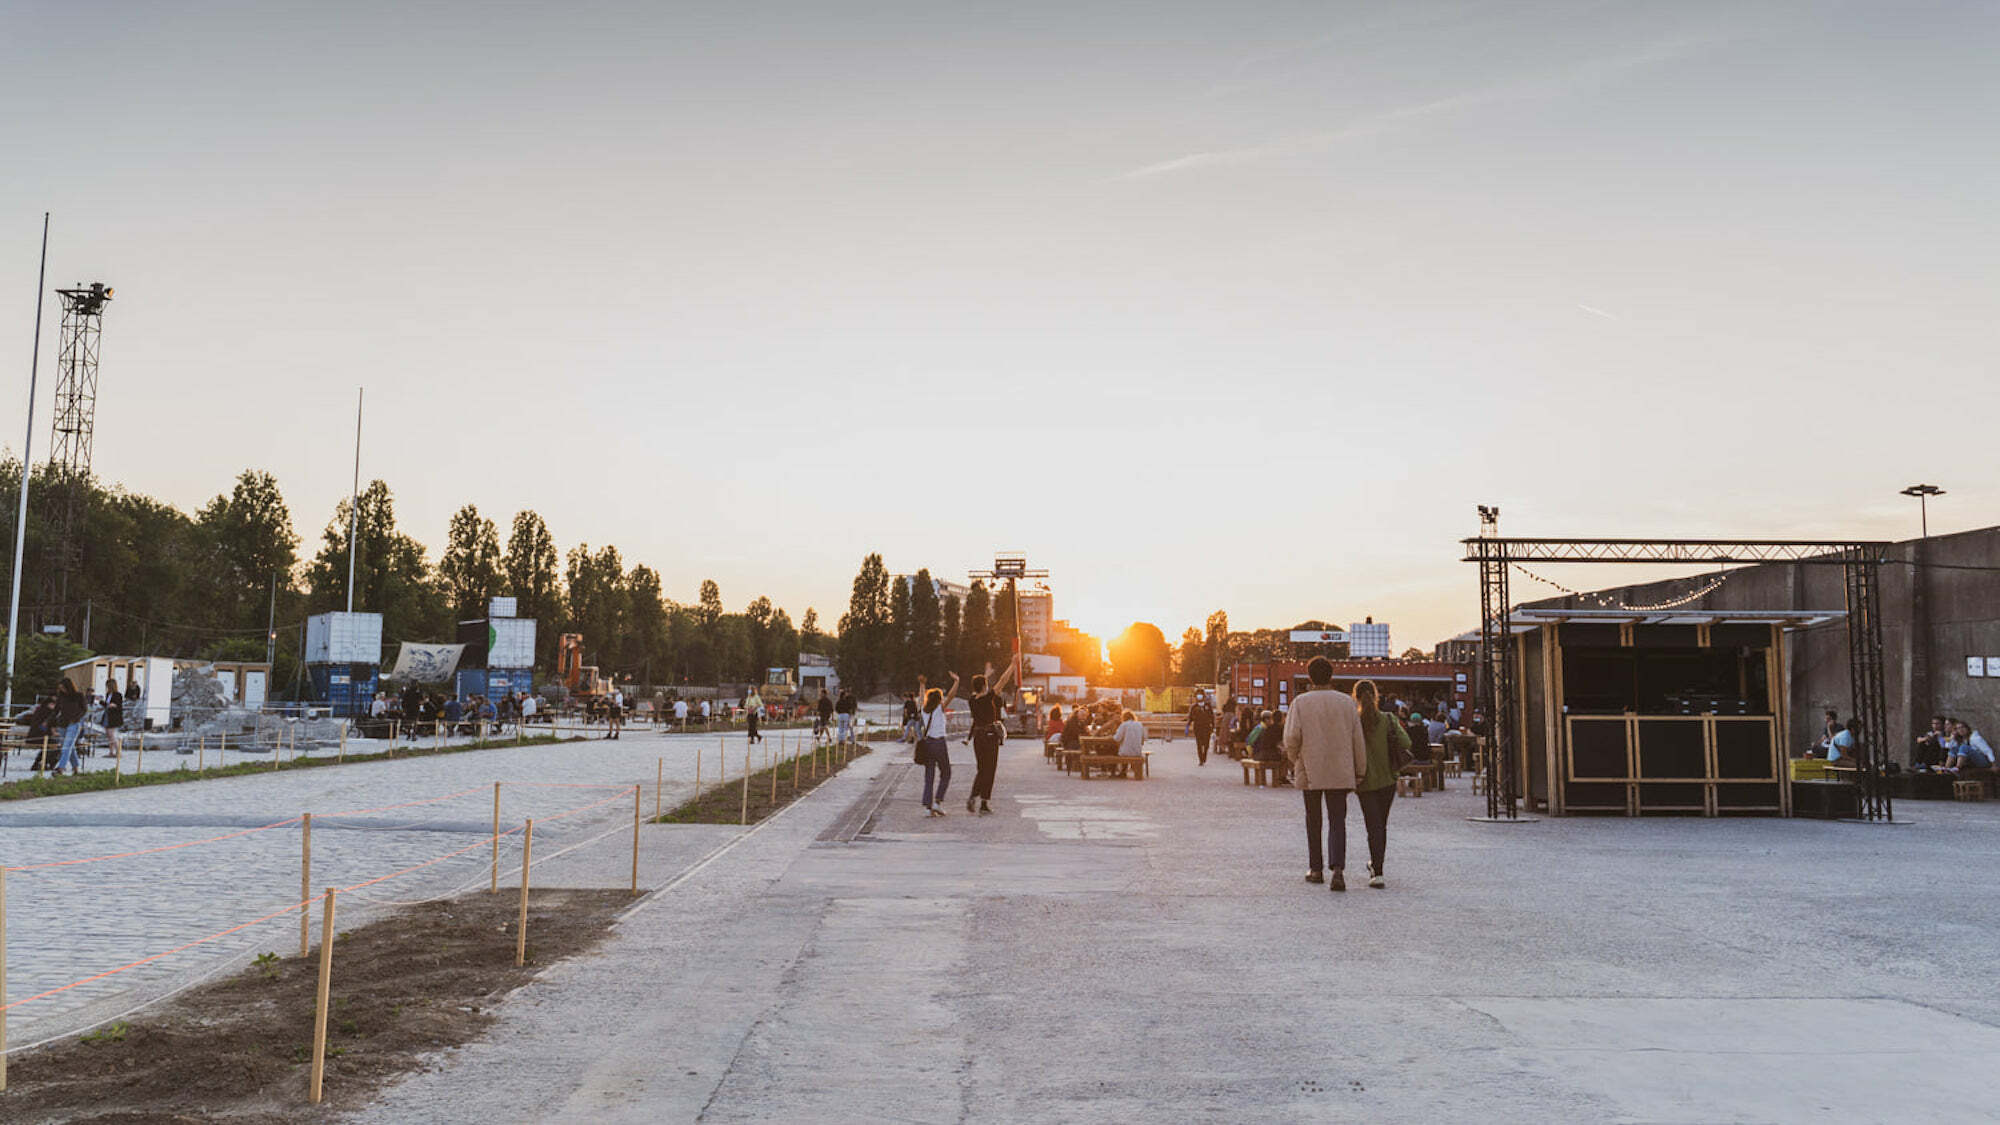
pixel 580 680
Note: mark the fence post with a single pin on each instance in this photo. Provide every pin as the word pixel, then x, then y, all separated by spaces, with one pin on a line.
pixel 635 837
pixel 527 857
pixel 659 779
pixel 744 816
pixel 201 763
pixel 342 756
pixel 495 886
pixel 306 883
pixel 3 978
pixel 325 981
pixel 140 766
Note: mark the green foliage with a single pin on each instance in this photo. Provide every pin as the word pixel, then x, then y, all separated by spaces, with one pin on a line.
pixel 38 662
pixel 975 630
pixel 926 621
pixel 267 965
pixel 530 566
pixel 469 569
pixel 113 1032
pixel 864 630
pixel 390 575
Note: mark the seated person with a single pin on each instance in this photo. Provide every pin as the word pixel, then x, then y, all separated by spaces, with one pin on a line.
pixel 1131 736
pixel 1267 745
pixel 1840 744
pixel 1054 732
pixel 1969 750
pixel 1930 747
pixel 1075 728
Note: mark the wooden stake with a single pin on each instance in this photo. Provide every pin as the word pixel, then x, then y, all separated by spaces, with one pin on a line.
pixel 319 1013
pixel 117 763
pixel 771 761
pixel 521 927
pixel 342 755
pixel 659 779
pixel 635 837
pixel 496 840
pixel 306 883
pixel 744 816
pixel 201 763
pixel 3 978
pixel 141 767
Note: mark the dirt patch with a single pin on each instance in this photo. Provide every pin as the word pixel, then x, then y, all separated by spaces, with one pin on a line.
pixel 240 1049
pixel 769 790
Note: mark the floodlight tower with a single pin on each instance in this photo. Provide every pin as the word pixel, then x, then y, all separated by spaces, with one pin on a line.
pixel 73 432
pixel 1013 566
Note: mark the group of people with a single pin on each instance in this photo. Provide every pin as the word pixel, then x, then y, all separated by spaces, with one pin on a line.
pixel 827 709
pixel 928 726
pixel 416 713
pixel 60 718
pixel 1953 746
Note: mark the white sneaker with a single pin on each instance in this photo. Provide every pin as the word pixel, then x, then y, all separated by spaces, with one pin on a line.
pixel 1375 879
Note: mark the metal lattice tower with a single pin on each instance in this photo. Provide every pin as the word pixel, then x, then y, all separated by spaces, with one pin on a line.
pixel 72 435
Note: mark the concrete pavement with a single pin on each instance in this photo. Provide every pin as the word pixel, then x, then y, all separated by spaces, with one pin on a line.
pixel 1119 951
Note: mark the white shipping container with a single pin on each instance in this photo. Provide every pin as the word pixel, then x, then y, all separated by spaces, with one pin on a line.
pixel 502 607
pixel 344 638
pixel 510 642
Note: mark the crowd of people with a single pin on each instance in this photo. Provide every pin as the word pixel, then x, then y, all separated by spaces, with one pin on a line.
pixel 1953 746
pixel 58 721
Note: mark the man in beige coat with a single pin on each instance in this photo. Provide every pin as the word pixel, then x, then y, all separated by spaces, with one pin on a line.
pixel 1329 755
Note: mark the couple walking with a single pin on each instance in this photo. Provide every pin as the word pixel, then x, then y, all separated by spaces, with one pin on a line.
pixel 1338 743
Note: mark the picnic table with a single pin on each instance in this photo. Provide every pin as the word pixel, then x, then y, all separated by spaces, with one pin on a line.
pixel 1119 765
pixel 1265 774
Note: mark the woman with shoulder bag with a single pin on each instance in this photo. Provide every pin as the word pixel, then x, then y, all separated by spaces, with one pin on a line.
pixel 1388 753
pixel 932 750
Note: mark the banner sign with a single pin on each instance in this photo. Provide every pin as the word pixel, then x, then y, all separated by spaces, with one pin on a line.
pixel 426 664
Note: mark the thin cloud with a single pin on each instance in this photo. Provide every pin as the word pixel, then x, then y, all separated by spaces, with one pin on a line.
pixel 1595 311
pixel 1541 86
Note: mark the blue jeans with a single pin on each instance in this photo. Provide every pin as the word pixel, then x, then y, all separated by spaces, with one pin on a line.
pixel 936 758
pixel 67 760
pixel 845 726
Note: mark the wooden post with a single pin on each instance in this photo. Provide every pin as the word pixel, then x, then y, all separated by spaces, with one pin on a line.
pixel 222 751
pixel 306 883
pixel 699 754
pixel 495 886
pixel 744 816
pixel 117 762
pixel 659 779
pixel 521 927
pixel 3 978
pixel 201 763
pixel 635 837
pixel 771 760
pixel 342 756
pixel 319 1013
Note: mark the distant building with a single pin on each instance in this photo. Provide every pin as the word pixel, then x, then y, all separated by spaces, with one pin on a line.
pixel 939 587
pixel 816 672
pixel 1038 612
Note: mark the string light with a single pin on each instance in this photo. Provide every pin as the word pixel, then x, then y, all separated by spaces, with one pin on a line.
pixel 1606 600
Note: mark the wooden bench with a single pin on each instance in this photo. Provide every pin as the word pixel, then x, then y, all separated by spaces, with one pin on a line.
pixel 1263 773
pixel 1431 773
pixel 1409 783
pixel 1113 765
pixel 1968 791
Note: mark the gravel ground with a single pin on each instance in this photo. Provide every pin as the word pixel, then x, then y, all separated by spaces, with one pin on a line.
pixel 1121 951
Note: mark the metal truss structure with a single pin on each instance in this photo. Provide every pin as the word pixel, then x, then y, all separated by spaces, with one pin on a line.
pixel 74 431
pixel 1861 566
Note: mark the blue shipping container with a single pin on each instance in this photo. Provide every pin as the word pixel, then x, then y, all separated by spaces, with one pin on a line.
pixel 346 689
pixel 494 682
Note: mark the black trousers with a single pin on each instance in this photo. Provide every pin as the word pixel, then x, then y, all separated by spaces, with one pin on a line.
pixel 1375 814
pixel 1335 801
pixel 751 718
pixel 986 759
pixel 1201 744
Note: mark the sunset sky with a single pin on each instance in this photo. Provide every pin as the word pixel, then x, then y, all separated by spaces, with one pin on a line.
pixel 1238 306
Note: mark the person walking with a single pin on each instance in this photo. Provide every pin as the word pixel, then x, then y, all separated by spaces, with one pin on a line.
pixel 1201 720
pixel 69 717
pixel 933 753
pixel 753 709
pixel 989 733
pixel 1324 742
pixel 844 710
pixel 823 717
pixel 114 715
pixel 1388 748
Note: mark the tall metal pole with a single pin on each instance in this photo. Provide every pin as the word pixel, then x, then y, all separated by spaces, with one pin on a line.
pixel 354 500
pixel 27 444
pixel 271 626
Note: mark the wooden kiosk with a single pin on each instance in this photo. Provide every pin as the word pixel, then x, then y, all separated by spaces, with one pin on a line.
pixel 1633 713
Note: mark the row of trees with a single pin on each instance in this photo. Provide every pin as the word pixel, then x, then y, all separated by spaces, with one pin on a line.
pixel 898 628
pixel 150 579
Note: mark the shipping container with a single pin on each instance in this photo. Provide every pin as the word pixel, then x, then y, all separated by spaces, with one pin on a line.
pixel 346 689
pixel 498 642
pixel 344 638
pixel 502 607
pixel 493 683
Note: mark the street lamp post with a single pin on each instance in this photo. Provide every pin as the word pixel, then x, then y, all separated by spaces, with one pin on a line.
pixel 1923 493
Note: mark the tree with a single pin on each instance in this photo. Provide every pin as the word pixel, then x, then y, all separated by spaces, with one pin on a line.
pixel 783 638
pixel 532 577
pixel 1004 630
pixel 469 569
pixel 708 627
pixel 975 629
pixel 648 639
pixel 757 619
pixel 897 653
pixel 596 596
pixel 926 628
pixel 810 638
pixel 1191 661
pixel 390 575
pixel 950 643
pixel 1139 656
pixel 864 629
pixel 246 540
pixel 1218 644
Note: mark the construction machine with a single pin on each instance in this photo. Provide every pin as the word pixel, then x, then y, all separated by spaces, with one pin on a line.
pixel 579 680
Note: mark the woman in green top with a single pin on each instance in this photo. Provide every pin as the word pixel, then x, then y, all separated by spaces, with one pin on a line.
pixel 1377 791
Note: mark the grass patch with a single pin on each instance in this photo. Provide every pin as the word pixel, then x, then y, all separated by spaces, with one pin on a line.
pixel 723 803
pixel 56 786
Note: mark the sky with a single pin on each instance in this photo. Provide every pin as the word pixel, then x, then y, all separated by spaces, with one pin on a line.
pixel 1202 306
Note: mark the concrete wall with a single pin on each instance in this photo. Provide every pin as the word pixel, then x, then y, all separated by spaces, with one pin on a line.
pixel 1940 604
